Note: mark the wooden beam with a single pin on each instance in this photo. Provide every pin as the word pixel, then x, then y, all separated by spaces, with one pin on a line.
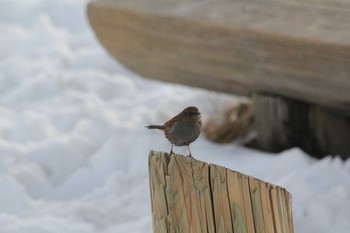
pixel 298 49
pixel 192 196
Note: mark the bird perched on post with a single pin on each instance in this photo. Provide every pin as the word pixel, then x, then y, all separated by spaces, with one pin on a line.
pixel 182 129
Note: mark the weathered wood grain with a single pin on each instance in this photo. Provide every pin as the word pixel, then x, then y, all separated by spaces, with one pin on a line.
pixel 158 185
pixel 221 204
pixel 247 204
pixel 257 207
pixel 241 213
pixel 266 207
pixel 298 49
pixel 182 195
pixel 192 196
pixel 283 123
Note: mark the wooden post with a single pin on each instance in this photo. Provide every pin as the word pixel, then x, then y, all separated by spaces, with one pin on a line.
pixel 283 123
pixel 190 196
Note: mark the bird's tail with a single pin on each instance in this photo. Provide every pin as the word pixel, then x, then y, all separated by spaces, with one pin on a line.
pixel 160 127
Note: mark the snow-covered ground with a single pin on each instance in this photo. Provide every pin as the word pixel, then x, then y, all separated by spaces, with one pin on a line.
pixel 73 147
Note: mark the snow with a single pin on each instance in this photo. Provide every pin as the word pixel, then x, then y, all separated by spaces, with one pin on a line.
pixel 73 147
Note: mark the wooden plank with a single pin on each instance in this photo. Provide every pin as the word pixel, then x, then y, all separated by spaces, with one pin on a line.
pixel 288 200
pixel 297 49
pixel 266 207
pixel 277 216
pixel 278 211
pixel 247 204
pixel 188 195
pixel 181 200
pixel 316 20
pixel 221 204
pixel 240 204
pixel 257 207
pixel 158 191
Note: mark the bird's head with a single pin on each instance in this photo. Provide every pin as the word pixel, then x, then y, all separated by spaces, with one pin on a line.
pixel 191 112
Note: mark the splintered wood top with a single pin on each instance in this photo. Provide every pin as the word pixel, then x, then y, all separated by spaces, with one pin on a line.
pixel 189 195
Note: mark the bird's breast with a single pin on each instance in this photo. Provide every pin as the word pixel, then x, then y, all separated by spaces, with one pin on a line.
pixel 184 132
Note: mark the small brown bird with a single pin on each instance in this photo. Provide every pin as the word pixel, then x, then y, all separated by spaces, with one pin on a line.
pixel 182 129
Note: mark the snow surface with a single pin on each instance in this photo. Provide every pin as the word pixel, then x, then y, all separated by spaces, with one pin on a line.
pixel 73 147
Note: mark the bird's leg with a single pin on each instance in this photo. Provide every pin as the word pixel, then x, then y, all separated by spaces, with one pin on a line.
pixel 171 150
pixel 189 150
